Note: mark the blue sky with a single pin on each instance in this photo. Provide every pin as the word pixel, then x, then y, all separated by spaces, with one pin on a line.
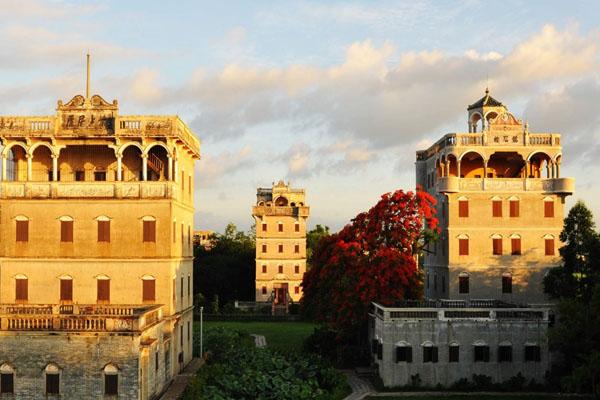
pixel 333 96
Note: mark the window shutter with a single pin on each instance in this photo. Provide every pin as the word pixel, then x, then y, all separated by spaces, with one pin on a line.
pixel 548 209
pixel 264 269
pixel 66 231
pixel 66 289
pixel 409 354
pixel 22 231
pixel 379 351
pixel 497 246
pixel 297 227
pixel 463 284
pixel 104 290
pixel 264 227
pixel 104 231
pixel 514 208
pixel 497 208
pixel 506 284
pixel 516 246
pixel 111 384
pixel 52 383
pixel 281 248
pixel 434 354
pixel 549 247
pixel 280 227
pixel 7 383
pixel 486 354
pixel 463 247
pixel 21 289
pixel 148 289
pixel 150 231
pixel 297 248
pixel 463 208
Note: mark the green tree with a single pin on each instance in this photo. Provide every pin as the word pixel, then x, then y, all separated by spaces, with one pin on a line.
pixel 313 237
pixel 226 270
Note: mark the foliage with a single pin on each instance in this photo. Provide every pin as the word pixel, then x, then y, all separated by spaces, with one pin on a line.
pixel 370 260
pixel 238 371
pixel 225 271
pixel 313 237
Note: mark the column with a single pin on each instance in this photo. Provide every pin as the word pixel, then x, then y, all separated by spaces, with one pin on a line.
pixel 458 168
pixel 29 166
pixel 119 167
pixel 447 167
pixel 485 163
pixel 527 169
pixel 54 167
pixel 170 171
pixel 557 169
pixel 176 171
pixel 4 176
pixel 144 167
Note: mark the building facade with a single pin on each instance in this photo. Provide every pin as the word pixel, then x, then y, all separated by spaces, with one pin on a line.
pixel 96 254
pixel 501 207
pixel 203 239
pixel 280 214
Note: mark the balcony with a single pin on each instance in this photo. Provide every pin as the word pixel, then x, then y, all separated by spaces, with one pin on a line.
pixel 452 184
pixel 281 211
pixel 78 318
pixel 102 190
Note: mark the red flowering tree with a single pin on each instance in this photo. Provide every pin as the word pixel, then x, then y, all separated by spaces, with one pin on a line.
pixel 372 259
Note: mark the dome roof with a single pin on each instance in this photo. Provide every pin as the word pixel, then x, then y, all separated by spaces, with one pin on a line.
pixel 486 101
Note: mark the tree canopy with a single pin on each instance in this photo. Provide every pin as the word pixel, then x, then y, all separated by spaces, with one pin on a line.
pixel 313 237
pixel 372 259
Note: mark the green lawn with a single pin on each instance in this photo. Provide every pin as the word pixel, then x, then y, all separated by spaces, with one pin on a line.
pixel 444 396
pixel 280 335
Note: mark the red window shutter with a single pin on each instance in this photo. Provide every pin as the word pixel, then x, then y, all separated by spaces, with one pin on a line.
pixel 463 247
pixel 297 269
pixel 280 269
pixel 297 227
pixel 149 231
pixel 22 231
pixel 497 246
pixel 548 209
pixel 264 227
pixel 104 231
pixel 103 290
pixel 21 289
pixel 297 248
pixel 281 248
pixel 148 290
pixel 264 290
pixel 497 208
pixel 463 209
pixel 280 227
pixel 66 289
pixel 264 269
pixel 514 208
pixel 66 231
pixel 264 248
pixel 297 290
pixel 549 247
pixel 516 246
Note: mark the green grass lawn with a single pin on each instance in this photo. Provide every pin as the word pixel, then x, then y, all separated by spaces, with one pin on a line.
pixel 444 396
pixel 283 336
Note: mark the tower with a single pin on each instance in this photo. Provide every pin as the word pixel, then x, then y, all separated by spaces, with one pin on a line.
pixel 500 204
pixel 96 255
pixel 280 214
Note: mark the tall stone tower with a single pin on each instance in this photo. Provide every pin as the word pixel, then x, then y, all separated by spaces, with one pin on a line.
pixel 96 255
pixel 280 214
pixel 500 203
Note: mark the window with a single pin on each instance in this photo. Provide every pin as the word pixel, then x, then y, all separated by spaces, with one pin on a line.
pixel 549 246
pixel 515 244
pixel 149 230
pixel 264 269
pixel 264 290
pixel 505 353
pixel 435 282
pixel 103 229
pixel 181 288
pixel 404 354
pixel 156 361
pixel 297 290
pixel 7 375
pixel 99 175
pixel 379 351
pixel 280 247
pixel 22 229
pixel 296 227
pixel 549 208
pixel 506 284
pixel 497 208
pixel 514 208
pixel 497 246
pixel 264 248
pixel 66 229
pixel 453 353
pixel 532 353
pixel 103 289
pixel 21 288
pixel 463 246
pixel 463 208
pixel 66 289
pixel 148 289
pixel 280 269
pixel 111 380
pixel 296 248
pixel 482 353
pixel 52 379
pixel 463 284
pixel 296 269
pixel 264 227
pixel 430 354
pixel 80 176
pixel 279 227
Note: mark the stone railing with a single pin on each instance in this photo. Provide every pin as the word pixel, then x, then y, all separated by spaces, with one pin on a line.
pixel 93 318
pixel 283 211
pixel 124 190
pixel 453 184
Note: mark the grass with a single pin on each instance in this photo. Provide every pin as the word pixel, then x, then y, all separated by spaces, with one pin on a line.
pixel 444 396
pixel 284 336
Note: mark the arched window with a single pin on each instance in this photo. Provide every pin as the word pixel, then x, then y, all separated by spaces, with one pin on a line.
pixel 463 207
pixel 507 283
pixel 463 245
pixel 103 289
pixel 7 379
pixel 548 207
pixel 549 245
pixel 513 202
pixel 52 373
pixel 403 352
pixel 149 229
pixel 66 229
pixel 281 201
pixel 21 288
pixel 430 352
pixel 463 283
pixel 505 351
pixel 148 289
pixel 66 288
pixel 454 352
pixel 103 228
pixel 515 244
pixel 497 244
pixel 22 228
pixel 481 351
pixel 111 380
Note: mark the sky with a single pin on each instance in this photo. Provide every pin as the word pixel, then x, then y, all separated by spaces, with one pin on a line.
pixel 334 97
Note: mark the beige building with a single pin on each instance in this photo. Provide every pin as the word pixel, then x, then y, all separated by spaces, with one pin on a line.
pixel 500 204
pixel 280 214
pixel 203 238
pixel 96 214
